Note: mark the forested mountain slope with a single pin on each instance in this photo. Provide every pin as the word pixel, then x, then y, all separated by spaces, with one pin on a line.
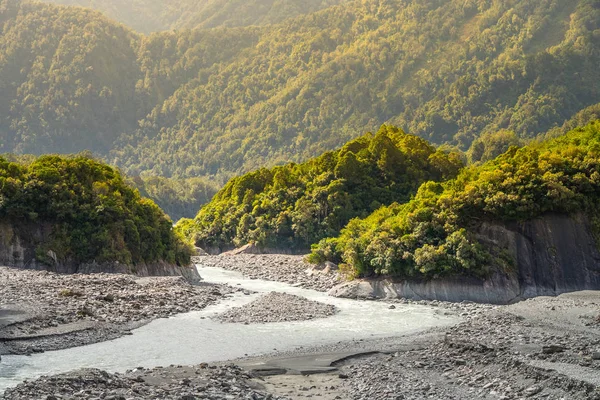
pixel 148 16
pixel 292 206
pixel 225 101
pixel 179 198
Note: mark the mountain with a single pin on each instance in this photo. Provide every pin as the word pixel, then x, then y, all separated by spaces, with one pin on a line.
pixel 64 212
pixel 440 231
pixel 221 102
pixel 179 198
pixel 292 206
pixel 148 16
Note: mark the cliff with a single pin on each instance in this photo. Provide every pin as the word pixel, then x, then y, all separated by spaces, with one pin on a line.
pixel 551 255
pixel 19 244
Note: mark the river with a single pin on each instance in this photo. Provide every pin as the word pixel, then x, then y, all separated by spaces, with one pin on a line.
pixel 193 338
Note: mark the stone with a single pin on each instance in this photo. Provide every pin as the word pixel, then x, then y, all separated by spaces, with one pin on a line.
pixel 553 349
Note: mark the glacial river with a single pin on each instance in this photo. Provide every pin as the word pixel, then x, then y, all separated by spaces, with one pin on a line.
pixel 193 338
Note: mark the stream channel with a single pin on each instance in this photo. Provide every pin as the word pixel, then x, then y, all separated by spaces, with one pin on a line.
pixel 193 338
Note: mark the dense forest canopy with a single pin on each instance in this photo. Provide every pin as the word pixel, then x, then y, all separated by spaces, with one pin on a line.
pixel 435 233
pixel 179 198
pixel 292 206
pixel 148 16
pixel 93 214
pixel 220 102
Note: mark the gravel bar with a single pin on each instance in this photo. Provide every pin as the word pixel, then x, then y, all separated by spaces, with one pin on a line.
pixel 276 267
pixel 278 307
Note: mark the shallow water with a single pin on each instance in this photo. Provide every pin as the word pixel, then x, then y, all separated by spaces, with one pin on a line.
pixel 193 338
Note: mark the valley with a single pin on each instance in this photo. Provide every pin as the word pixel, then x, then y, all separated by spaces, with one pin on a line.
pixel 286 199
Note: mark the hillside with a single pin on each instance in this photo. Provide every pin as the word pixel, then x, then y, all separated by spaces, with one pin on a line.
pixel 63 211
pixel 221 102
pixel 292 206
pixel 178 198
pixel 148 16
pixel 436 233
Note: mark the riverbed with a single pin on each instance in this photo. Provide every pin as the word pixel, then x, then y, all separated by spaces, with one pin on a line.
pixel 194 338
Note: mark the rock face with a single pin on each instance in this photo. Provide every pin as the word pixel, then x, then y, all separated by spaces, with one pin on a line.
pixel 18 249
pixel 552 255
pixel 499 289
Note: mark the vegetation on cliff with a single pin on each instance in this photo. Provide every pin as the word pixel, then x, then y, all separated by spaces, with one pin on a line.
pixel 435 233
pixel 92 213
pixel 295 205
pixel 224 101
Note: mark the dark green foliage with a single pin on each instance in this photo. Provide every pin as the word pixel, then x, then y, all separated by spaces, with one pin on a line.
pixel 295 205
pixel 179 198
pixel 226 101
pixel 490 145
pixel 582 118
pixel 434 234
pixel 94 215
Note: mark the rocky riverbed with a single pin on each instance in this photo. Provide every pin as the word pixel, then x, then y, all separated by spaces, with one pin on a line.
pixel 42 311
pixel 543 348
pixel 277 267
pixel 172 383
pixel 278 307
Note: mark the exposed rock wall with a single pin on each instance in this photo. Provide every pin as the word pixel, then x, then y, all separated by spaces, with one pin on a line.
pixel 552 255
pixel 18 249
pixel 500 289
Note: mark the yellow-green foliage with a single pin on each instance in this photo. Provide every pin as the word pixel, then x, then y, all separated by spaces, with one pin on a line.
pixel 94 214
pixel 295 205
pixel 166 15
pixel 434 234
pixel 227 101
